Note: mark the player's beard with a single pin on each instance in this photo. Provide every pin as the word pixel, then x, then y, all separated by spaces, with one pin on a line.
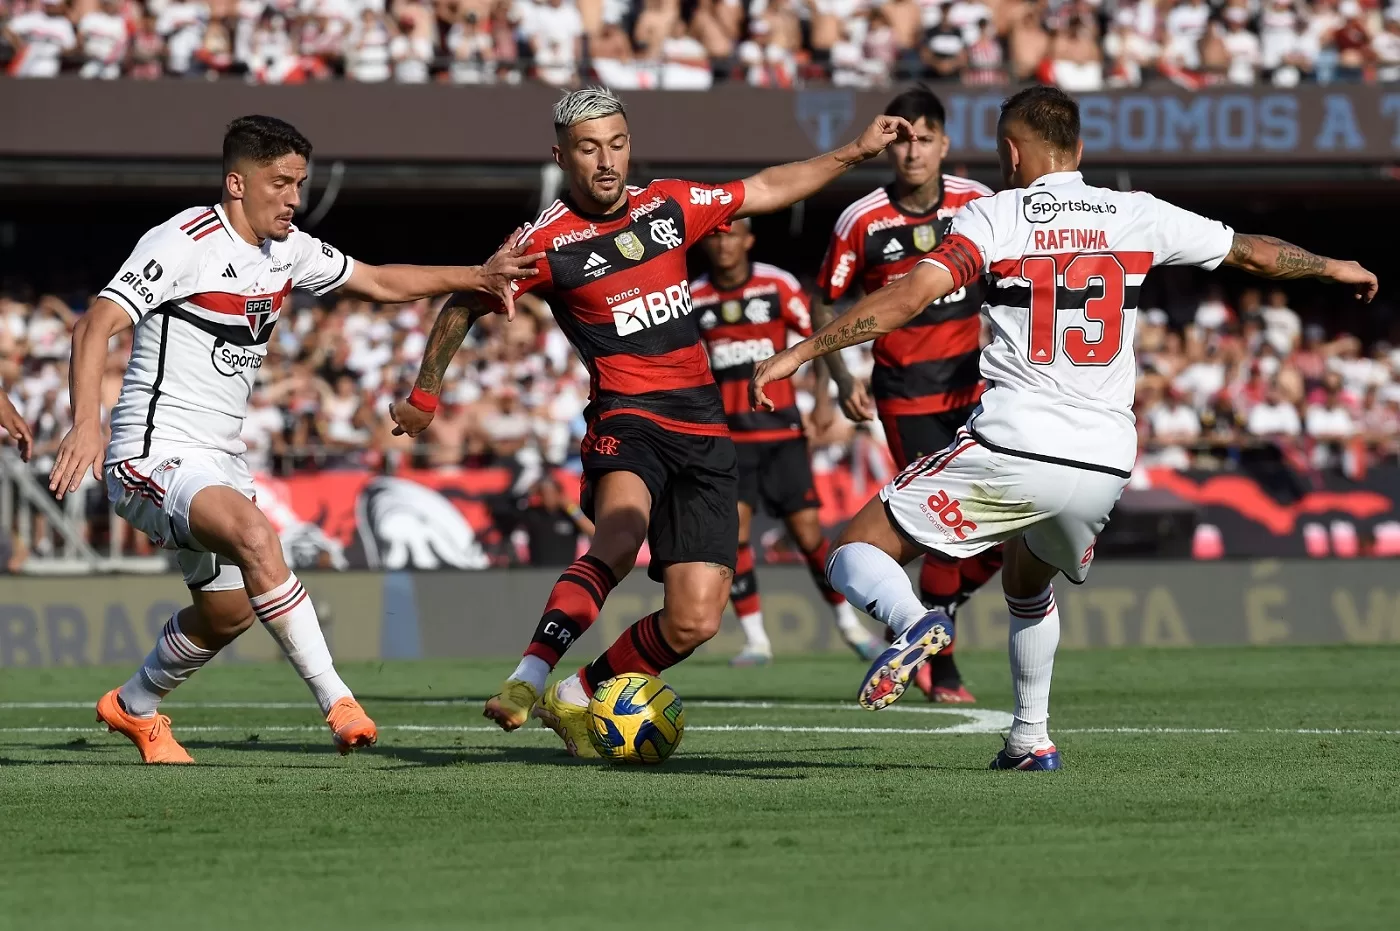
pixel 609 200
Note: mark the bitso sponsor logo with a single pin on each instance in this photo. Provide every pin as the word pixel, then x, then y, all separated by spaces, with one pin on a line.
pixel 652 309
pixel 133 281
pixel 1042 207
pixel 947 511
pixel 563 239
pixel 152 271
pixel 740 352
pixel 705 197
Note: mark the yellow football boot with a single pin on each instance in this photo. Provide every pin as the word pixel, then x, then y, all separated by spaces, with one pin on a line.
pixel 568 720
pixel 510 707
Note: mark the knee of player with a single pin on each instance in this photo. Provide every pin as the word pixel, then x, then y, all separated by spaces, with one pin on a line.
pixel 258 546
pixel 618 549
pixel 690 625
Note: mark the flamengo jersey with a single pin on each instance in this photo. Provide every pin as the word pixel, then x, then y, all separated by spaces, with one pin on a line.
pixel 930 364
pixel 204 303
pixel 618 288
pixel 1067 262
pixel 742 326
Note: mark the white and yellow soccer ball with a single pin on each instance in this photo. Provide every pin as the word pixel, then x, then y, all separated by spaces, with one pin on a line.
pixel 635 718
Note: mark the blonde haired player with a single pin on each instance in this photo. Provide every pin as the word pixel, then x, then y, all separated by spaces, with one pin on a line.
pixel 1044 459
pixel 203 291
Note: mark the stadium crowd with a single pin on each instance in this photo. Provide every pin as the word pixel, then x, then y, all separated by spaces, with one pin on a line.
pixel 1241 372
pixel 1082 45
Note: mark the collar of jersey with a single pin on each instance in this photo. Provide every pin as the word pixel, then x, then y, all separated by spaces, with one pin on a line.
pixel 616 215
pixel 1057 177
pixel 228 228
pixel 892 192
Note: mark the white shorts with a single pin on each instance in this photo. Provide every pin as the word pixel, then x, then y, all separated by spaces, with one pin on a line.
pixel 154 495
pixel 967 499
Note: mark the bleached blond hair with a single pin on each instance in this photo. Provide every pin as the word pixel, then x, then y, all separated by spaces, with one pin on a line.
pixel 586 103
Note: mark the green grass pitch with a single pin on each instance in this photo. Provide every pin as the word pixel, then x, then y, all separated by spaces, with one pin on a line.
pixel 1206 788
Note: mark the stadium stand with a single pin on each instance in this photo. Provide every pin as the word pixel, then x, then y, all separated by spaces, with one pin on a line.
pixel 669 44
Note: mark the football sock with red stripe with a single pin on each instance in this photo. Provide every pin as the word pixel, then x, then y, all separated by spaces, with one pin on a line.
pixel 573 606
pixel 641 648
pixel 816 565
pixel 940 586
pixel 748 607
pixel 288 613
pixel 976 571
pixel 1034 635
pixel 173 660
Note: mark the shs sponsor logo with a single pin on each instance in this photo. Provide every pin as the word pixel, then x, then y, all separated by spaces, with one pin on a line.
pixel 563 239
pixel 739 352
pixel 233 361
pixel 947 511
pixel 634 312
pixel 705 197
pixel 842 272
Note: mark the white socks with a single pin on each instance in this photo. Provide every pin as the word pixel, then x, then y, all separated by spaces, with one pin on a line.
pixel 571 691
pixel 755 636
pixel 533 670
pixel 174 659
pixel 1035 633
pixel 871 579
pixel 289 615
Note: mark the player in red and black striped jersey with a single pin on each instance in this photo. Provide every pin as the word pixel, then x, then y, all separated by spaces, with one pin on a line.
pixel 658 462
pixel 746 310
pixel 926 380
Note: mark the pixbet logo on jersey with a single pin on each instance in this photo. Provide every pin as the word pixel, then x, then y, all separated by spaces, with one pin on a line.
pixel 633 311
pixel 740 352
pixel 948 512
pixel 588 232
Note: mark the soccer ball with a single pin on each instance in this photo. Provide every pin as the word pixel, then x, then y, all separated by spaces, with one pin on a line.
pixel 635 718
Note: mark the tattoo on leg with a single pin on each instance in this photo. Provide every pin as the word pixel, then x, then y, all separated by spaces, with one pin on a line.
pixel 725 571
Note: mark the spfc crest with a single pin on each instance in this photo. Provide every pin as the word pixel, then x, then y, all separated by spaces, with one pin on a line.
pixel 732 311
pixel 924 237
pixel 629 245
pixel 257 310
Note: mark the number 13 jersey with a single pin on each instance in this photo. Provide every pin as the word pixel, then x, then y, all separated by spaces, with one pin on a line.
pixel 1066 262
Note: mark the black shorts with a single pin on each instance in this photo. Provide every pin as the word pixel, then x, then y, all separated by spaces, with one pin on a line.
pixel 778 476
pixel 913 436
pixel 694 485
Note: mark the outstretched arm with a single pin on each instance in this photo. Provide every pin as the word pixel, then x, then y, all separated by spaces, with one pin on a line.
pixel 398 284
pixel 883 312
pixel 855 402
pixel 784 185
pixel 1270 257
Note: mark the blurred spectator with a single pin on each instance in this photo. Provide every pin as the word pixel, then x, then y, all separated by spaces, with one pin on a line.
pixel 1274 417
pixel 40 38
pixel 368 57
pixel 768 63
pixel 554 30
pixel 181 23
pixel 550 524
pixel 103 35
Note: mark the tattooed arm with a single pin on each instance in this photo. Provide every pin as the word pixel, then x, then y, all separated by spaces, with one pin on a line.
pixel 854 398
pixel 883 312
pixel 1269 257
pixel 462 309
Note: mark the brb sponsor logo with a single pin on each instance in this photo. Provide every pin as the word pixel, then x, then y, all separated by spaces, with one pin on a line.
pixel 740 352
pixel 842 271
pixel 948 512
pixel 563 239
pixel 232 361
pixel 706 197
pixel 1042 207
pixel 634 311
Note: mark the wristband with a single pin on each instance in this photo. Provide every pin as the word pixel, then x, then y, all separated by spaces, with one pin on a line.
pixel 427 403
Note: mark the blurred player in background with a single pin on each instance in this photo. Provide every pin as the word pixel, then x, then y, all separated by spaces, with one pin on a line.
pixel 659 465
pixel 204 291
pixel 926 381
pixel 1046 455
pixel 746 311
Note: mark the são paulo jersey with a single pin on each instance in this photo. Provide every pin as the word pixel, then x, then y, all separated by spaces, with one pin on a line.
pixel 618 288
pixel 1066 263
pixel 929 365
pixel 742 326
pixel 204 302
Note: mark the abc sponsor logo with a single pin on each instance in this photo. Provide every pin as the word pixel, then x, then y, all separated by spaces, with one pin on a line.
pixel 947 511
pixel 1042 207
pixel 651 309
pixel 563 239
pixel 740 352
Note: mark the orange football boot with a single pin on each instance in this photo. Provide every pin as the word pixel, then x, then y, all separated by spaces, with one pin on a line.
pixel 151 735
pixel 351 726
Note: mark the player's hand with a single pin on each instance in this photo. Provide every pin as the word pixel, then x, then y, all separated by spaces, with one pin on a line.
pixel 879 134
pixel 511 262
pixel 16 427
pixel 409 420
pixel 1351 273
pixel 80 450
pixel 855 401
pixel 774 368
pixel 822 417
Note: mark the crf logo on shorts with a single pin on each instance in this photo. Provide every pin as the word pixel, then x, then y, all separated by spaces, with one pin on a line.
pixel 606 445
pixel 948 512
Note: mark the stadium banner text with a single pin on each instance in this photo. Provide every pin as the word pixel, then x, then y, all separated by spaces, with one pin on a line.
pixel 724 126
pixel 371 616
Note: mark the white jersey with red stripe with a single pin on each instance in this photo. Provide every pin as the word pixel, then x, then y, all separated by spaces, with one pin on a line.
pixel 204 302
pixel 1066 263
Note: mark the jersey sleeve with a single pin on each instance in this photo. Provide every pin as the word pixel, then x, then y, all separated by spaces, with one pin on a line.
pixel 970 247
pixel 797 309
pixel 843 260
pixel 161 268
pixel 318 266
pixel 706 207
pixel 1186 238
